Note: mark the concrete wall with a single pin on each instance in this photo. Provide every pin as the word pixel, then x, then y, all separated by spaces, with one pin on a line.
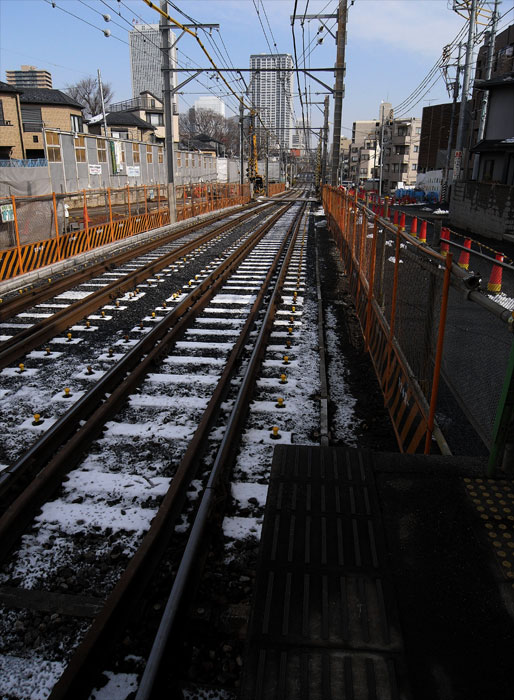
pixel 483 208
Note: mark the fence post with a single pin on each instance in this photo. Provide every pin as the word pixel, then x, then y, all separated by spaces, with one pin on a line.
pixel 17 233
pixel 159 204
pixel 86 220
pixel 502 443
pixel 57 239
pixel 371 283
pixel 110 213
pixel 129 212
pixel 146 201
pixel 439 352
pixel 387 393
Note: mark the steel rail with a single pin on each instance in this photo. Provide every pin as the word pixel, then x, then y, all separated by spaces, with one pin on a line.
pixel 30 338
pixel 65 441
pixel 215 487
pixel 73 682
pixel 11 307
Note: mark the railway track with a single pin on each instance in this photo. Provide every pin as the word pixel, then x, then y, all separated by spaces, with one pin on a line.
pixel 96 498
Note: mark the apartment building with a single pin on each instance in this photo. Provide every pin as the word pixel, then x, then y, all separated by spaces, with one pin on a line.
pixel 364 150
pixel 272 94
pixel 29 77
pixel 210 103
pixel 401 153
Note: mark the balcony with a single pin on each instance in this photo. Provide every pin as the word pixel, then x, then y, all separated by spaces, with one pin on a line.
pixel 5 122
pixel 146 103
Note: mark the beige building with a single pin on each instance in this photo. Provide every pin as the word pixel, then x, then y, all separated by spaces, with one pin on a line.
pixel 401 153
pixel 150 109
pixel 11 133
pixel 25 114
pixel 29 76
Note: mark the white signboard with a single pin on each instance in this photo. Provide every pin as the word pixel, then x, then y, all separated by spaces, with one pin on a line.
pixel 95 169
pixel 133 170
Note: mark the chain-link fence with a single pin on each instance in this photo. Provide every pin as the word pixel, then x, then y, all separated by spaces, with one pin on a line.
pixel 419 328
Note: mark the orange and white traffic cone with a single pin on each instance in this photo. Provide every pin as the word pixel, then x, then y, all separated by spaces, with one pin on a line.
pixel 464 255
pixel 402 222
pixel 423 232
pixel 445 236
pixel 395 217
pixel 494 286
pixel 414 227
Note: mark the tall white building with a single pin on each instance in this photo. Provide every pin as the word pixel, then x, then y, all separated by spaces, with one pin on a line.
pixel 146 59
pixel 301 138
pixel 212 103
pixel 272 94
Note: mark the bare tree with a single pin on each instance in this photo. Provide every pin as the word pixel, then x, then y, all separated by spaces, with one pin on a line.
pixel 87 93
pixel 205 122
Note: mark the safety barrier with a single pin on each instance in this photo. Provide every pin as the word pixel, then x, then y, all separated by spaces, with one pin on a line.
pixel 199 198
pixel 42 230
pixel 407 310
pixel 401 295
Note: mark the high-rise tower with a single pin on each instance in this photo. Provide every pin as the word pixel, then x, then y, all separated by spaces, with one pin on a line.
pixel 272 96
pixel 146 59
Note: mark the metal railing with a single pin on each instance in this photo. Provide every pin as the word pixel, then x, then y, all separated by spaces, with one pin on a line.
pixel 424 321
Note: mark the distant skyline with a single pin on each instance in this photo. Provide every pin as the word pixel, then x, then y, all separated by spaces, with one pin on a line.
pixel 392 45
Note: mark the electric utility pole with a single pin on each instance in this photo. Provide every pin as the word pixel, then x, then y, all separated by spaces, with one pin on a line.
pixel 241 141
pixel 342 14
pixel 168 111
pixel 463 114
pixel 325 142
pixel 485 94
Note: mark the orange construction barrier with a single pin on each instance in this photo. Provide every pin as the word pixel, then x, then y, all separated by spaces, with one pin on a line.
pixel 464 255
pixel 395 217
pixel 494 286
pixel 445 236
pixel 402 222
pixel 423 232
pixel 414 227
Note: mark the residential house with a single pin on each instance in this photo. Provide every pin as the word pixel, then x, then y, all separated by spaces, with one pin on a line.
pixel 401 151
pixel 11 133
pixel 150 109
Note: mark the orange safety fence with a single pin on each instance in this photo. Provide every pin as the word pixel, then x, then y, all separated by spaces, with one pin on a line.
pixel 42 230
pixel 195 199
pixel 401 291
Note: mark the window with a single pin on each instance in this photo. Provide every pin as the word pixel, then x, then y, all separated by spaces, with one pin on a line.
pixel 402 131
pixel 416 149
pixel 2 121
pixel 35 138
pixel 31 118
pixel 155 119
pixel 160 155
pixel 101 149
pixel 418 130
pixel 414 166
pixel 135 153
pixel 76 123
pixel 53 147
pixel 119 134
pixel 395 167
pixel 80 149
pixel 149 156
